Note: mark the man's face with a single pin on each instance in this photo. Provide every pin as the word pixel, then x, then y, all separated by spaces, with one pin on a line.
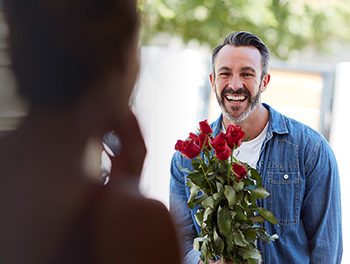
pixel 237 83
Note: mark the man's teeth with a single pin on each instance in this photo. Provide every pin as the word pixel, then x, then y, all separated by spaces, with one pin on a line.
pixel 235 98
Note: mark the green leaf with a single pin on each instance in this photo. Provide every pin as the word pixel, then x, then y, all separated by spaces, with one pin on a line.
pixel 250 253
pixel 239 198
pixel 194 191
pixel 199 217
pixel 238 186
pixel 233 214
pixel 239 239
pixel 208 202
pixel 258 219
pixel 197 178
pixel 224 220
pixel 218 197
pixel 245 226
pixel 196 244
pixel 230 195
pixel 219 186
pixel 220 178
pixel 229 242
pixel 267 215
pixel 260 192
pixel 252 201
pixel 240 216
pixel 197 241
pixel 196 201
pixel 211 176
pixel 218 242
pixel 250 235
pixel 256 176
pixel 251 261
pixel 195 164
pixel 207 216
pixel 185 170
pixel 204 250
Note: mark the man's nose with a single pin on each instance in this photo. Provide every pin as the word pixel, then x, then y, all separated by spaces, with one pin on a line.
pixel 236 83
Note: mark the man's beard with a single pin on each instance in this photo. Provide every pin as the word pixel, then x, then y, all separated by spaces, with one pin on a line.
pixel 252 103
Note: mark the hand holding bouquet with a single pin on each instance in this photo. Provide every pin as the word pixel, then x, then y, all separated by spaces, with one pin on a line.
pixel 224 192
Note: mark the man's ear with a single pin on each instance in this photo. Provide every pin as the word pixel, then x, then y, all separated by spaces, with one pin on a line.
pixel 265 82
pixel 212 81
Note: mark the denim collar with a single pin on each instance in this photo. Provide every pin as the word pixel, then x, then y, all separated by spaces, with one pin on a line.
pixel 277 123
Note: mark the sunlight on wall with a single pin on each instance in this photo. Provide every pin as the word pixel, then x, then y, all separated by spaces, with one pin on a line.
pixel 340 143
pixel 166 104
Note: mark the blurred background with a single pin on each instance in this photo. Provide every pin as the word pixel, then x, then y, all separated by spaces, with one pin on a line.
pixel 310 74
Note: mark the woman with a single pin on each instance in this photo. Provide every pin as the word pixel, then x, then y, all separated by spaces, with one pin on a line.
pixel 76 63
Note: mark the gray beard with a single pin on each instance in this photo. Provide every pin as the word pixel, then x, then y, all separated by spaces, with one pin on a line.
pixel 253 102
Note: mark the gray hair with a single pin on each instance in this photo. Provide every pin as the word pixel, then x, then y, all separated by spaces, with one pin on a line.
pixel 243 39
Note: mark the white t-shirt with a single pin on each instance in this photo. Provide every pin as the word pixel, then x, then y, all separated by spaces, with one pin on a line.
pixel 248 152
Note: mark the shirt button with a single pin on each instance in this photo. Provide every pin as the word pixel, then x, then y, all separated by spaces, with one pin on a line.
pixel 285 176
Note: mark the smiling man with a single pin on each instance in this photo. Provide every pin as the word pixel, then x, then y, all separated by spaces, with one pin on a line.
pixel 296 163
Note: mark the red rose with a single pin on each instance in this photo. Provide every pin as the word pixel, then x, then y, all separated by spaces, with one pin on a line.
pixel 189 148
pixel 200 139
pixel 222 150
pixel 195 138
pixel 205 128
pixel 234 136
pixel 240 171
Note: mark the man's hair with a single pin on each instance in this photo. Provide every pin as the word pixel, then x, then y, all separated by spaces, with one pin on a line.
pixel 244 39
pixel 59 47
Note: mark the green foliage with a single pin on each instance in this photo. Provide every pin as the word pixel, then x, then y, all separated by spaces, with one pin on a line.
pixel 227 212
pixel 224 192
pixel 283 25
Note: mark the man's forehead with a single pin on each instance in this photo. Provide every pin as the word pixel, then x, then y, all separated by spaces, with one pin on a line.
pixel 243 56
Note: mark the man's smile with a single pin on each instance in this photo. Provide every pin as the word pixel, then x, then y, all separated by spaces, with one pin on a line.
pixel 236 98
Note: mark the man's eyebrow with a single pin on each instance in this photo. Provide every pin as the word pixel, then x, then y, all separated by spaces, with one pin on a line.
pixel 248 69
pixel 224 68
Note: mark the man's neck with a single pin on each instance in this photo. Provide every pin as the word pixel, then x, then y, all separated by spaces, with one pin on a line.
pixel 254 124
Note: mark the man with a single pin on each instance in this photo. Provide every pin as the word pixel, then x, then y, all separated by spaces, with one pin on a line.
pixel 296 163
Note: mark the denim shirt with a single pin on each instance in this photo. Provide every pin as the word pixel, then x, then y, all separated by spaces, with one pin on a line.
pixel 300 172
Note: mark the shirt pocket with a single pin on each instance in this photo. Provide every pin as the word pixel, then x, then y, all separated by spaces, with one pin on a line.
pixel 284 196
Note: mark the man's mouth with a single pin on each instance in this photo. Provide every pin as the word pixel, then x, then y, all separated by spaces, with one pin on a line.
pixel 235 98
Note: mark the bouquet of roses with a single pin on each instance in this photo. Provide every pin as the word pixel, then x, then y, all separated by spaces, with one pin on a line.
pixel 224 191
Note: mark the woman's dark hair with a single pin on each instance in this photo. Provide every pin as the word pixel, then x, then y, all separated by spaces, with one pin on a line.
pixel 58 47
pixel 244 39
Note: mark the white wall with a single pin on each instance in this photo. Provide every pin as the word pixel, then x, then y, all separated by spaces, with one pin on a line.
pixel 340 142
pixel 166 103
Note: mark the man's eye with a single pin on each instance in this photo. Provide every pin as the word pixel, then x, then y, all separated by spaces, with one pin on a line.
pixel 247 74
pixel 224 74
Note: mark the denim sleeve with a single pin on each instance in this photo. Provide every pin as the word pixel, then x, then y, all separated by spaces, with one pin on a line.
pixel 321 211
pixel 181 212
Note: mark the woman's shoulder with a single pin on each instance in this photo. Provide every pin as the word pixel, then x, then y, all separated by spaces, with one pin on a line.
pixel 140 229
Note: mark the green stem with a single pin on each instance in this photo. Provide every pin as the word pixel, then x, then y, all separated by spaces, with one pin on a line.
pixel 228 172
pixel 202 165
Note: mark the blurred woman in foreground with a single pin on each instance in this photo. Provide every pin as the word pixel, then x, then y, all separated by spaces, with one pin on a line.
pixel 76 63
